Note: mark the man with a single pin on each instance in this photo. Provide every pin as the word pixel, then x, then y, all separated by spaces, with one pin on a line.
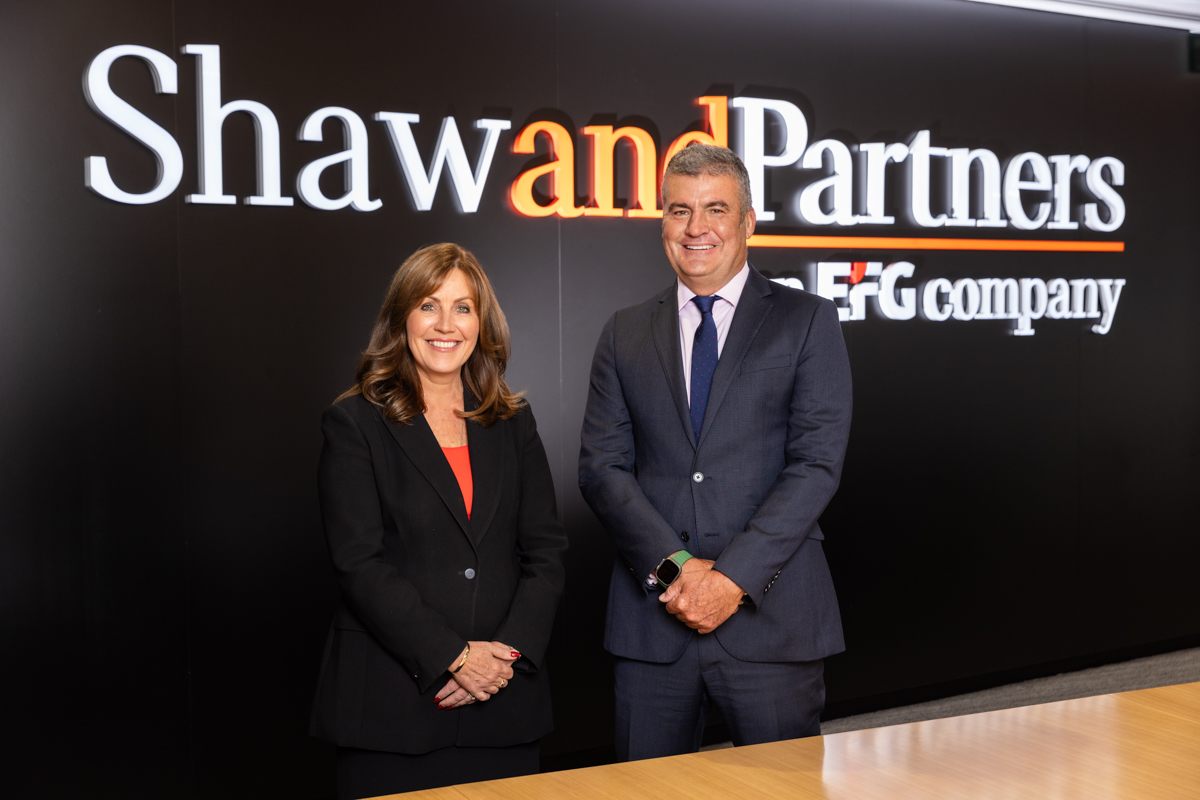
pixel 715 429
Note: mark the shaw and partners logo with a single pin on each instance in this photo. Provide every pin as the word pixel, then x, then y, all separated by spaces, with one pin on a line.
pixel 931 186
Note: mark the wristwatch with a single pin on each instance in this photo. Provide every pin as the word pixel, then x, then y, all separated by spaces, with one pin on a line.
pixel 671 567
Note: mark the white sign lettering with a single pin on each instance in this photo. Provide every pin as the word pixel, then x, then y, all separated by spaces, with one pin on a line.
pixel 1028 191
pixel 850 284
pixel 101 98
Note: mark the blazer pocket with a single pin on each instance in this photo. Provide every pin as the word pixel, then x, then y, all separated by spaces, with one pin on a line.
pixel 766 362
pixel 344 620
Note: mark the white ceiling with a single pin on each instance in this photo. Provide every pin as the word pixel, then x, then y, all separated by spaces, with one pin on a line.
pixel 1183 14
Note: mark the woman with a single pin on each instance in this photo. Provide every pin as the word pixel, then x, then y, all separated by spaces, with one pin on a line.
pixel 439 511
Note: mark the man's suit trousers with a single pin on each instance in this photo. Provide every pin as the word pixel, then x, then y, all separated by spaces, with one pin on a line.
pixel 661 708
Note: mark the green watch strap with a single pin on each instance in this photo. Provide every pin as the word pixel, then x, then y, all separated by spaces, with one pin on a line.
pixel 680 557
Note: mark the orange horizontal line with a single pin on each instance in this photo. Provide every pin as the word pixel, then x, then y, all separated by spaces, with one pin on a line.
pixel 900 243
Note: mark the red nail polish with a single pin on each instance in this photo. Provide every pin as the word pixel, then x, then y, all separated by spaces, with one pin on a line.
pixel 514 654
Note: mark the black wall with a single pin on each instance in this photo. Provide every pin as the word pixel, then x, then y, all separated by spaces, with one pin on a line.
pixel 164 587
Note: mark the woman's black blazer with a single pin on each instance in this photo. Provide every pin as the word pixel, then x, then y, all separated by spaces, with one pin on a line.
pixel 418 580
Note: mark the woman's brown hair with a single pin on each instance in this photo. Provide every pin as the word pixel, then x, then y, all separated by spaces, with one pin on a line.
pixel 387 375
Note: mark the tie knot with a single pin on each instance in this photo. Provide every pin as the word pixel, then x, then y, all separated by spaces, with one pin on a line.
pixel 705 303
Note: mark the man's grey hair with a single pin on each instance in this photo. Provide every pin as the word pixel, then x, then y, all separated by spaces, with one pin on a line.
pixel 705 159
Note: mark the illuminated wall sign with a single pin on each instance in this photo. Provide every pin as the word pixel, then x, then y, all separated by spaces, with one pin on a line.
pixel 1001 191
pixel 449 154
pixel 850 284
pixel 830 200
pixel 1027 191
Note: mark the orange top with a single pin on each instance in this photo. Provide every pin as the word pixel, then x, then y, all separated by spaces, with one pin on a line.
pixel 460 462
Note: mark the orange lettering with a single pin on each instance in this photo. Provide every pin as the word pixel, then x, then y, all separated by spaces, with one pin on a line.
pixel 561 172
pixel 717 112
pixel 604 141
pixel 646 169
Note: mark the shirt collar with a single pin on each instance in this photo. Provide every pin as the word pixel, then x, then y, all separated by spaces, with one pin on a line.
pixel 730 292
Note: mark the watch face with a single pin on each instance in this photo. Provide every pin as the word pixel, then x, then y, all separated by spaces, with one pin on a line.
pixel 667 572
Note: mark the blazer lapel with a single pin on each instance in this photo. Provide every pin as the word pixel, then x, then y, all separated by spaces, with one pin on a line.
pixel 752 309
pixel 487 471
pixel 421 446
pixel 664 323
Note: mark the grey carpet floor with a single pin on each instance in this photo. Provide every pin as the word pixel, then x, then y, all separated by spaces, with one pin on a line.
pixel 1182 666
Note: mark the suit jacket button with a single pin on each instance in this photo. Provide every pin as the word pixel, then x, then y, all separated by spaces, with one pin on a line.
pixel 684 535
pixel 698 477
pixel 470 573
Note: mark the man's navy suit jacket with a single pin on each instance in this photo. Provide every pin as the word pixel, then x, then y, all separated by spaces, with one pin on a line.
pixel 747 494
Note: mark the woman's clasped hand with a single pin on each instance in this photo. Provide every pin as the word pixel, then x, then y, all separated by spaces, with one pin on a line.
pixel 486 670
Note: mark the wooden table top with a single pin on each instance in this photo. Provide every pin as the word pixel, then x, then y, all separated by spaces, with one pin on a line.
pixel 1133 746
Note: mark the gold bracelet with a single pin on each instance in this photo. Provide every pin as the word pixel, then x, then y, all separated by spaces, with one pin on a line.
pixel 462 663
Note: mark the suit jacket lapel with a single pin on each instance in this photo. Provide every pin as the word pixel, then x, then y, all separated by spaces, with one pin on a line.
pixel 752 309
pixel 665 325
pixel 421 446
pixel 487 471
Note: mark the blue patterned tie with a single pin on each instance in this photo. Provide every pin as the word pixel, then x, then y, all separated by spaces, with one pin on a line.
pixel 704 360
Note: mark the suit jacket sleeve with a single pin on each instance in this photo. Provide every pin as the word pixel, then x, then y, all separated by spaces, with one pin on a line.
pixel 540 546
pixel 818 428
pixel 388 605
pixel 606 463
